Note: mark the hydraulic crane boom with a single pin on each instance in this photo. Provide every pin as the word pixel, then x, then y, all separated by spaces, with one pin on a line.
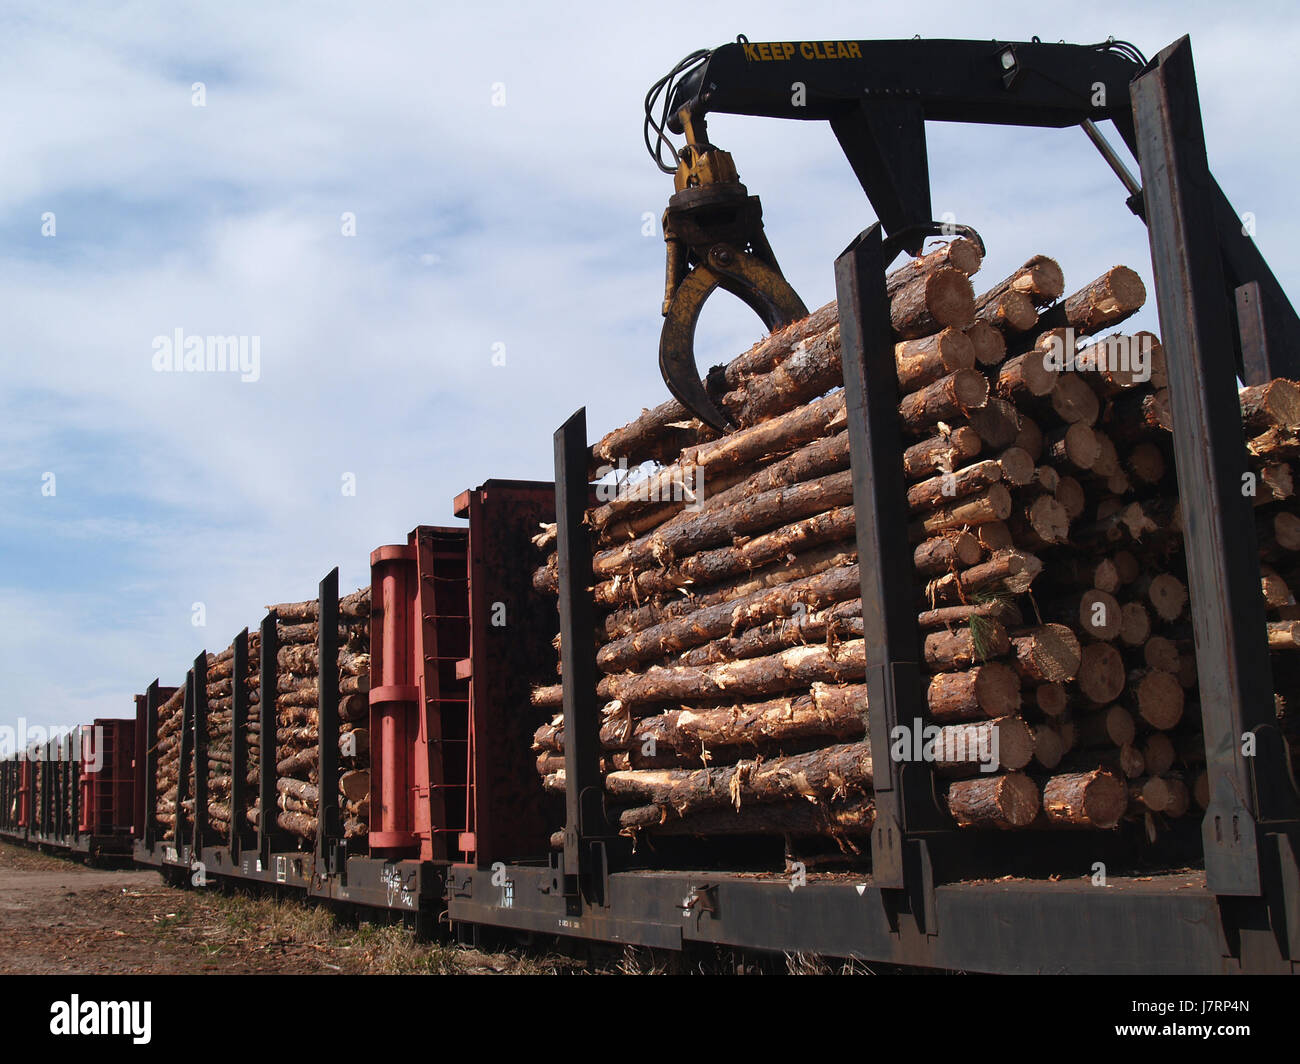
pixel 877 97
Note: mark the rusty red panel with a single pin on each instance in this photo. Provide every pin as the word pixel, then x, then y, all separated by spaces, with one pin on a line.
pixel 106 777
pixel 511 631
pixel 419 728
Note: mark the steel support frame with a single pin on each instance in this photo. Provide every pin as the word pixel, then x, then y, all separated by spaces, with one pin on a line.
pixel 199 679
pixel 904 791
pixel 240 837
pixel 269 837
pixel 328 833
pixel 586 827
pixel 1196 322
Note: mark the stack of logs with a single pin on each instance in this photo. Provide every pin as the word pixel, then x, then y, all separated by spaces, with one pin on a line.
pixel 170 718
pixel 220 759
pixel 730 631
pixel 296 701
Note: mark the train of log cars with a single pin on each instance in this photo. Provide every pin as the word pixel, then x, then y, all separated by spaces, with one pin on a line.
pixel 412 775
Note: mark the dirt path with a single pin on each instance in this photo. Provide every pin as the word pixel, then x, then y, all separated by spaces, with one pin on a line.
pixel 58 916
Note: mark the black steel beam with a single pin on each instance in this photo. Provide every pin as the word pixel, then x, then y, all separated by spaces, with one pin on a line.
pixel 268 837
pixel 1236 690
pixel 183 759
pixel 904 792
pixel 75 750
pixel 147 761
pixel 200 680
pixel 238 743
pixel 328 831
pixel 584 788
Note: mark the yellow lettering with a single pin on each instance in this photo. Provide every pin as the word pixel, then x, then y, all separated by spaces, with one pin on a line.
pixel 854 51
pixel 750 53
pixel 841 50
pixel 788 48
pixel 764 52
pixel 817 50
pixel 806 50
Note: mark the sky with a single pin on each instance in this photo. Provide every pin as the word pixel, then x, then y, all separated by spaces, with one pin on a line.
pixel 431 223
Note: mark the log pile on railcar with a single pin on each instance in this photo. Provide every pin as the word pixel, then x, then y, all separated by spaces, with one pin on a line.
pixel 1052 605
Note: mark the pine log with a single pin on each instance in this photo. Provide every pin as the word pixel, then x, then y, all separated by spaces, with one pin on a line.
pixel 951 550
pixel 925 360
pixel 1101 676
pixel 819 775
pixel 941 453
pixel 932 301
pixel 1275 403
pixel 1094 799
pixel 1047 654
pixel 990 346
pixel 1009 801
pixel 953 396
pixel 997 423
pixel 787 670
pixel 991 690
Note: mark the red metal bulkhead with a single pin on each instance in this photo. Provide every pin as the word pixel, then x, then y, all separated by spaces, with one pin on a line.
pixel 419 710
pixel 106 777
pixel 394 703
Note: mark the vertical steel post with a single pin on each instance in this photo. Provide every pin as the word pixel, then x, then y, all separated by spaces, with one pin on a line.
pixel 238 742
pixel 584 790
pixel 200 675
pixel 1236 691
pixel 147 762
pixel 903 790
pixel 184 759
pixel 268 677
pixel 327 720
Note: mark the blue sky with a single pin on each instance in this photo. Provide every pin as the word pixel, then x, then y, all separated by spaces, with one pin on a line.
pixel 476 225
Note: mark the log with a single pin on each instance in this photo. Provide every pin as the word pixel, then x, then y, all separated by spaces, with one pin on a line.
pixel 773 674
pixel 1047 654
pixel 965 647
pixel 1009 311
pixel 946 552
pixel 826 712
pixel 1040 279
pixel 925 360
pixel 950 397
pixel 297 824
pixel 1113 726
pixel 831 625
pixel 1101 676
pixel 712 622
pixel 1026 375
pixel 1011 571
pixel 991 690
pixel 1073 401
pixel 714 566
pixel 1093 799
pixel 997 423
pixel 832 771
pixel 355 605
pixel 1159 697
pixel 996 609
pixel 1004 744
pixel 1009 801
pixel 992 504
pixel 355 785
pixel 959 254
pixel 935 491
pixel 930 302
pixel 1052 699
pixel 1274 404
pixel 941 453
pixel 990 346
pixel 849 818
pixel 1110 299
pixel 696 532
